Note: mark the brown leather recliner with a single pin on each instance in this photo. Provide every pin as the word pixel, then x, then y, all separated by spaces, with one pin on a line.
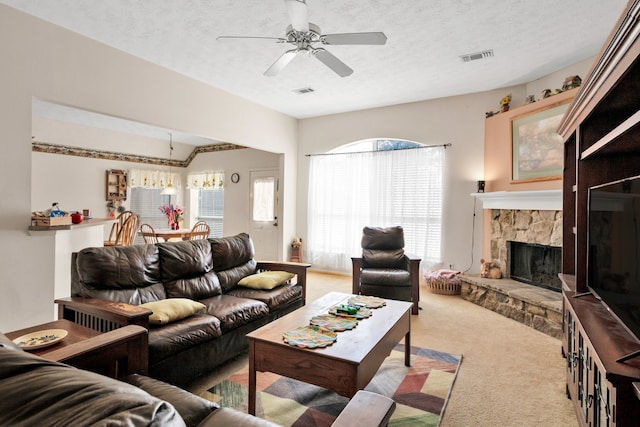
pixel 385 270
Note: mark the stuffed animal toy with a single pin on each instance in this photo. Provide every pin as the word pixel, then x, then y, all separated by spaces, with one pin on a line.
pixel 489 270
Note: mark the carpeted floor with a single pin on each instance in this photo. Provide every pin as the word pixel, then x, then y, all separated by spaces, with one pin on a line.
pixel 420 392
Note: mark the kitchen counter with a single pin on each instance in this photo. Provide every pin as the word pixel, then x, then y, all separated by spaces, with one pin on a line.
pixel 86 223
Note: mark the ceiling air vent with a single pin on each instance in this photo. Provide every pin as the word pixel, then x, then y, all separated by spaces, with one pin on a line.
pixel 303 90
pixel 478 55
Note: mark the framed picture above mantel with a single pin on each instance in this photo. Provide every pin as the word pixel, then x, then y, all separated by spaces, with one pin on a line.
pixel 536 148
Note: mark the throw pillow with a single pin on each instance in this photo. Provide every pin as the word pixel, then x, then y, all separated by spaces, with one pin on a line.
pixel 266 279
pixel 172 309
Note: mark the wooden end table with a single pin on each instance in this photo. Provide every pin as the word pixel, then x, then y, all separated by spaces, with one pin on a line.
pixel 116 353
pixel 347 365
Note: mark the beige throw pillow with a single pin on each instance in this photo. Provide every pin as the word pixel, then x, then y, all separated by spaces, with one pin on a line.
pixel 266 279
pixel 172 309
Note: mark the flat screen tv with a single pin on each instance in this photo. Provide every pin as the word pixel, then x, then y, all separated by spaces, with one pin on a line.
pixel 613 262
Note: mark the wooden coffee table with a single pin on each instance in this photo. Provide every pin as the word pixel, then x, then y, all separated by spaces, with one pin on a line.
pixel 347 365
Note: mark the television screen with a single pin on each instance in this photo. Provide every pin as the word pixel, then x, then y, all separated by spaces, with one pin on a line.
pixel 614 249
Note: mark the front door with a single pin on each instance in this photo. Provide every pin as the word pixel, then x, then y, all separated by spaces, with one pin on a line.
pixel 264 213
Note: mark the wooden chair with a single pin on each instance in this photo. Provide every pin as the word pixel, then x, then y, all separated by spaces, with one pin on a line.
pixel 127 231
pixel 148 234
pixel 200 230
pixel 115 228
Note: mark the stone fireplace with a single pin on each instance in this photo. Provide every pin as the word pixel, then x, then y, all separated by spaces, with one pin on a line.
pixel 530 222
pixel 535 236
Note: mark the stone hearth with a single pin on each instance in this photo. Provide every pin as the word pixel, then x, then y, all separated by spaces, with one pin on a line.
pixel 533 306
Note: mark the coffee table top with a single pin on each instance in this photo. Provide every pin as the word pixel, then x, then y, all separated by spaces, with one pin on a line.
pixel 352 345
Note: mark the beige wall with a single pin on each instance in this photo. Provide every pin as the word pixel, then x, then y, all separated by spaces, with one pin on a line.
pixel 44 61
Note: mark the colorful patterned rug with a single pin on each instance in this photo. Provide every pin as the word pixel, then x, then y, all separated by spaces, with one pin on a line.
pixel 420 392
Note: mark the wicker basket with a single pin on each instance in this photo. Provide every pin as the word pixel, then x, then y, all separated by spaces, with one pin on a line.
pixel 443 286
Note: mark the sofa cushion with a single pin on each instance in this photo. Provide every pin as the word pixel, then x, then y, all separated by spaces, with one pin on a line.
pixel 167 340
pixel 192 408
pixel 229 278
pixel 129 274
pixel 233 311
pixel 274 298
pixel 181 260
pixel 37 392
pixel 172 309
pixel 266 279
pixel 386 276
pixel 196 288
pixel 231 251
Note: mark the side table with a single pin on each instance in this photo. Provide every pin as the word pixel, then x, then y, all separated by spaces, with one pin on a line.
pixel 116 353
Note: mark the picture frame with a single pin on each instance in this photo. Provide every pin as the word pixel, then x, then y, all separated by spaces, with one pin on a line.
pixel 537 150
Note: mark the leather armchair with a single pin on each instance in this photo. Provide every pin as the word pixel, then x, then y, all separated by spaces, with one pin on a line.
pixel 384 269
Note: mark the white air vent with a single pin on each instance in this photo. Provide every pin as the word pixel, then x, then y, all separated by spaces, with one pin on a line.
pixel 478 55
pixel 303 90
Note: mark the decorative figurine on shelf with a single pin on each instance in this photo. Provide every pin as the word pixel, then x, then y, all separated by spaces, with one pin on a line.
pixel 504 103
pixel 571 82
pixel 546 93
pixel 530 99
pixel 490 270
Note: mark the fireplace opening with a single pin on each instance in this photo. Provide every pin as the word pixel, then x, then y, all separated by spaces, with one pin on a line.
pixel 535 264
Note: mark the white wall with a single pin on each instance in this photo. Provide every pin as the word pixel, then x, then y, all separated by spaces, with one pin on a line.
pixel 457 120
pixel 47 62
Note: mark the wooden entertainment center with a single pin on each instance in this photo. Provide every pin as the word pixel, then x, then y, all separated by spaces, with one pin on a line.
pixel 602 144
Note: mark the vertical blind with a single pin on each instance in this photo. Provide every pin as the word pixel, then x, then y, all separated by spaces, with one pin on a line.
pixel 379 188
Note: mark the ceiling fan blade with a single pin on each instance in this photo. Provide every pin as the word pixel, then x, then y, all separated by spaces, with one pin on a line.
pixel 298 14
pixel 328 59
pixel 276 39
pixel 280 63
pixel 376 38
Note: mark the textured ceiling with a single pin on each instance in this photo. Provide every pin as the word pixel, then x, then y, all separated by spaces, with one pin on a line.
pixel 421 60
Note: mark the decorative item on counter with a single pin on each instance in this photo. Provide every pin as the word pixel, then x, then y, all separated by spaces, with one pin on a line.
pixel 174 214
pixel 504 103
pixel 55 210
pixel 76 218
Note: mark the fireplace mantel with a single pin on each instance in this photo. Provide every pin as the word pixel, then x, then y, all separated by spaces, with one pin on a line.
pixel 522 200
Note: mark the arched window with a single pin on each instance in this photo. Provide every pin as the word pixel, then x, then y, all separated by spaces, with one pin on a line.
pixel 379 182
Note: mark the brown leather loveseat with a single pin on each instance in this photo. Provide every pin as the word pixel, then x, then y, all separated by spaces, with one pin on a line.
pixel 39 392
pixel 114 286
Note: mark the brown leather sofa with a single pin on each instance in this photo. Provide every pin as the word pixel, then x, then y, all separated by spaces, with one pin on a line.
pixel 39 392
pixel 108 285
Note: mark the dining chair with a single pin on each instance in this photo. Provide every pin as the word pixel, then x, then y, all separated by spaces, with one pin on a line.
pixel 126 232
pixel 148 234
pixel 116 227
pixel 200 230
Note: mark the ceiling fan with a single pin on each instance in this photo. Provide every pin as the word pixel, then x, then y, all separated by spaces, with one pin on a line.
pixel 304 35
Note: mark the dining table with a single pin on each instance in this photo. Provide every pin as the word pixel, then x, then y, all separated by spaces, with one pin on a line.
pixel 166 234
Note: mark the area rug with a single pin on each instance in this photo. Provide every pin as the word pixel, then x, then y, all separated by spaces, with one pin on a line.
pixel 420 392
